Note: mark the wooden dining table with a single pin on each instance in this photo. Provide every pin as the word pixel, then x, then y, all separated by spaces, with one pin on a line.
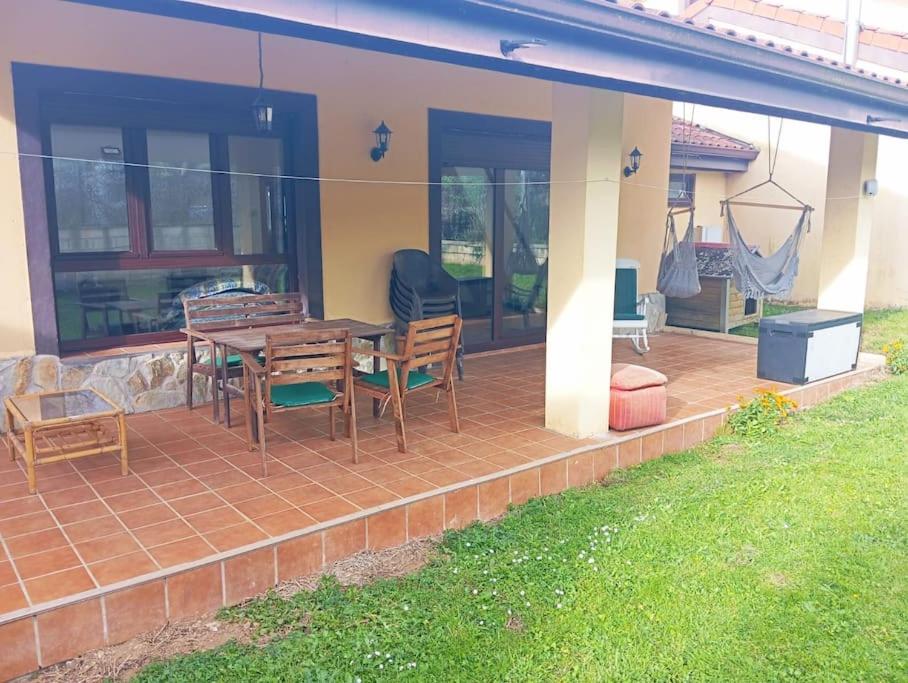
pixel 249 341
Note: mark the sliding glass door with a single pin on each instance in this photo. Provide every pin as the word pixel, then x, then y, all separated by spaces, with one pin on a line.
pixel 490 222
pixel 495 241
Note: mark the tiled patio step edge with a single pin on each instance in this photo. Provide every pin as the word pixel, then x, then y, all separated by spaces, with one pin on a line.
pixel 51 632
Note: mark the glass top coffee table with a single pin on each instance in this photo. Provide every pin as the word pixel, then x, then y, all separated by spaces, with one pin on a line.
pixel 64 425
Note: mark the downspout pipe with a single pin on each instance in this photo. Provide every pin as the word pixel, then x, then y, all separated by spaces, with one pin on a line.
pixel 852 32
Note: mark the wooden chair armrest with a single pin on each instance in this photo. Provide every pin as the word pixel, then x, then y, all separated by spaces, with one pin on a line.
pixel 380 354
pixel 251 363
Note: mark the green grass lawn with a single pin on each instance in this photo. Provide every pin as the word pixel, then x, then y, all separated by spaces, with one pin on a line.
pixel 769 309
pixel 784 558
pixel 884 325
pixel 881 325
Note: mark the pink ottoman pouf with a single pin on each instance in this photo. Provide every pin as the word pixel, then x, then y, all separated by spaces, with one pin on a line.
pixel 638 397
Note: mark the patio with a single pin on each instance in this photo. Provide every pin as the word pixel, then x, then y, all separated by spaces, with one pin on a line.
pixel 194 495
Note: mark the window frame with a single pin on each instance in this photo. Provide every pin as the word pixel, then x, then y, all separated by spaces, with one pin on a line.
pixel 690 180
pixel 55 95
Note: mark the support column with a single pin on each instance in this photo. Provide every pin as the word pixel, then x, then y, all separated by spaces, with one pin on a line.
pixel 845 250
pixel 583 236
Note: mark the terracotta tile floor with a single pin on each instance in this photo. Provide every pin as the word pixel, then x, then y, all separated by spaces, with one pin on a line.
pixel 194 490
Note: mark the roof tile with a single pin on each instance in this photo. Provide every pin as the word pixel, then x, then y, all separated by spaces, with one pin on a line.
pixel 789 16
pixel 834 27
pixel 870 35
pixel 765 10
pixel 886 40
pixel 746 6
pixel 684 133
pixel 811 21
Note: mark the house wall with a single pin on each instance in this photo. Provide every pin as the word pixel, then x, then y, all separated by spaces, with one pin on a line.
pixel 644 197
pixel 802 168
pixel 362 224
pixel 709 189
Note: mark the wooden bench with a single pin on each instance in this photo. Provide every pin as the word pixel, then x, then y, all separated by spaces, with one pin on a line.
pixel 220 313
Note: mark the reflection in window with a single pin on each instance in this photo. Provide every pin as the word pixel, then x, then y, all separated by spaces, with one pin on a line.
pixel 182 216
pixel 467 238
pixel 89 188
pixel 256 200
pixel 526 243
pixel 97 304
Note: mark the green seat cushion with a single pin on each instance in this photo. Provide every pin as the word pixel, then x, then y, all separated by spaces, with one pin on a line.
pixel 414 379
pixel 233 360
pixel 625 293
pixel 629 316
pixel 302 394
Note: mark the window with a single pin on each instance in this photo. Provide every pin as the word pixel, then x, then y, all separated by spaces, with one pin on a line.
pixel 90 196
pixel 681 189
pixel 180 205
pixel 141 214
pixel 256 199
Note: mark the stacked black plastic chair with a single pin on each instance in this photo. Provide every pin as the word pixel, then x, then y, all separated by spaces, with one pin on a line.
pixel 420 289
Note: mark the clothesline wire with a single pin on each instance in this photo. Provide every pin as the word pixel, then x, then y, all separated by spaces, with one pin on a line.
pixel 352 181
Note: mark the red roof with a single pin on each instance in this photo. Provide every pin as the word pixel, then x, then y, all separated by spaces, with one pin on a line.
pixel 683 133
pixel 888 40
pixel 764 9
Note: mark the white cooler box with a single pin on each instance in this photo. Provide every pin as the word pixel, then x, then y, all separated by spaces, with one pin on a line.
pixel 806 346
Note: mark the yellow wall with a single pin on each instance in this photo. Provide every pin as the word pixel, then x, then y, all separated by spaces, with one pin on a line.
pixel 644 195
pixel 709 190
pixel 361 224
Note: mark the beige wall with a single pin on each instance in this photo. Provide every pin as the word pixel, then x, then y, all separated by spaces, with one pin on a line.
pixel 644 197
pixel 802 167
pixel 709 190
pixel 361 224
pixel 887 283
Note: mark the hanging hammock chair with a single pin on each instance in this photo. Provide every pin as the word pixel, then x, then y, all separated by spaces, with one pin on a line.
pixel 678 275
pixel 759 276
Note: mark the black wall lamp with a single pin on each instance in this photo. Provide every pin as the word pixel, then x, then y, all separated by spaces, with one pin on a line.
pixel 262 111
pixel 382 142
pixel 635 157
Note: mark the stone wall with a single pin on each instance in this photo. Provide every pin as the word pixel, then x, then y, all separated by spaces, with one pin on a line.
pixel 137 382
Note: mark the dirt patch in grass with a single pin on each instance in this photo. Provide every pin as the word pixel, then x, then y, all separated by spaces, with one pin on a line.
pixel 120 662
pixel 723 454
pixel 778 580
pixel 123 661
pixel 368 567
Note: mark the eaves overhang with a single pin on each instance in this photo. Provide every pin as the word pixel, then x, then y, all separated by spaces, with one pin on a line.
pixel 597 44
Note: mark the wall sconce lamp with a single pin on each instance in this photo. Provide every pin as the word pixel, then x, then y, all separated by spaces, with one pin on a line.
pixel 382 140
pixel 635 157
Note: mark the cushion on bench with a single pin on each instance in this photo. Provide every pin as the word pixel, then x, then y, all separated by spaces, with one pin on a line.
pixel 628 377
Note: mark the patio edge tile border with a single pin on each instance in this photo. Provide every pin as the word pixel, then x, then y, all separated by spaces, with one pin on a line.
pixel 870 367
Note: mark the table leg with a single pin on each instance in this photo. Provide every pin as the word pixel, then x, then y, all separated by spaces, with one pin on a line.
pixel 30 459
pixel 376 368
pixel 124 450
pixel 10 425
pixel 225 374
pixel 215 411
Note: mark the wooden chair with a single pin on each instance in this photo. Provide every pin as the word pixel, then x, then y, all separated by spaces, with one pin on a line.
pixel 428 342
pixel 301 369
pixel 226 313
